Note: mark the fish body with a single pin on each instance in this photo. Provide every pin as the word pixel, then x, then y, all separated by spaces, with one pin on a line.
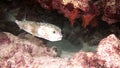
pixel 40 29
pixel 43 30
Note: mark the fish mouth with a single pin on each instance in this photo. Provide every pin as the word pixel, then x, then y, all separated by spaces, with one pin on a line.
pixel 59 38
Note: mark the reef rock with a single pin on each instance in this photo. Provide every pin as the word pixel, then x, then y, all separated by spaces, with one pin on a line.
pixel 109 51
pixel 69 8
pixel 111 11
pixel 16 52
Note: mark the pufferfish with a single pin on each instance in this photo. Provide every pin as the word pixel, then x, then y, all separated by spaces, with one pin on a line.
pixel 40 29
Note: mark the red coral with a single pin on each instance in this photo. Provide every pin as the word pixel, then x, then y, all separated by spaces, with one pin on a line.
pixel 74 9
pixel 70 8
pixel 72 16
pixel 87 19
pixel 47 4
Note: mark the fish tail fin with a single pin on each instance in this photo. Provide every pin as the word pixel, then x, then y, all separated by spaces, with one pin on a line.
pixel 7 17
pixel 11 18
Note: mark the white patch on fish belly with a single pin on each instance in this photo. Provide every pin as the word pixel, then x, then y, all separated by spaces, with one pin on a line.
pixel 42 33
pixel 46 33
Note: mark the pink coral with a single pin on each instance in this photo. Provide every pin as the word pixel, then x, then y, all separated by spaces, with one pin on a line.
pixel 21 53
pixel 109 51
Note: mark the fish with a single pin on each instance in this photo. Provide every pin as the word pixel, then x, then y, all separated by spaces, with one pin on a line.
pixel 40 29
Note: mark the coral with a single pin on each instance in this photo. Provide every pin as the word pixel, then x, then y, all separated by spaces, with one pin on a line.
pixel 4 39
pixel 71 9
pixel 84 60
pixel 109 51
pixel 111 11
pixel 36 48
pixel 87 19
pixel 107 55
pixel 22 52
pixel 85 9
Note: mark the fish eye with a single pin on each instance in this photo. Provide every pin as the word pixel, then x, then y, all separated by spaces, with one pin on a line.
pixel 54 32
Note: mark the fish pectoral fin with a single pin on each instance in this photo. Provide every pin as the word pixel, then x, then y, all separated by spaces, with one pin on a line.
pixel 25 35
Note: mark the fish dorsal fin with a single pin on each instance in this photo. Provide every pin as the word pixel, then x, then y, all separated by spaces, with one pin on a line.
pixel 24 18
pixel 25 14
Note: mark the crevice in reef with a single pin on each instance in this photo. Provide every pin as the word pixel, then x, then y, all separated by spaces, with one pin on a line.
pixel 87 42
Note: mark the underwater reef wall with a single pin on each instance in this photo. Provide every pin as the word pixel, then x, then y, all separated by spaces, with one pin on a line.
pixel 21 52
pixel 91 12
pixel 88 10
